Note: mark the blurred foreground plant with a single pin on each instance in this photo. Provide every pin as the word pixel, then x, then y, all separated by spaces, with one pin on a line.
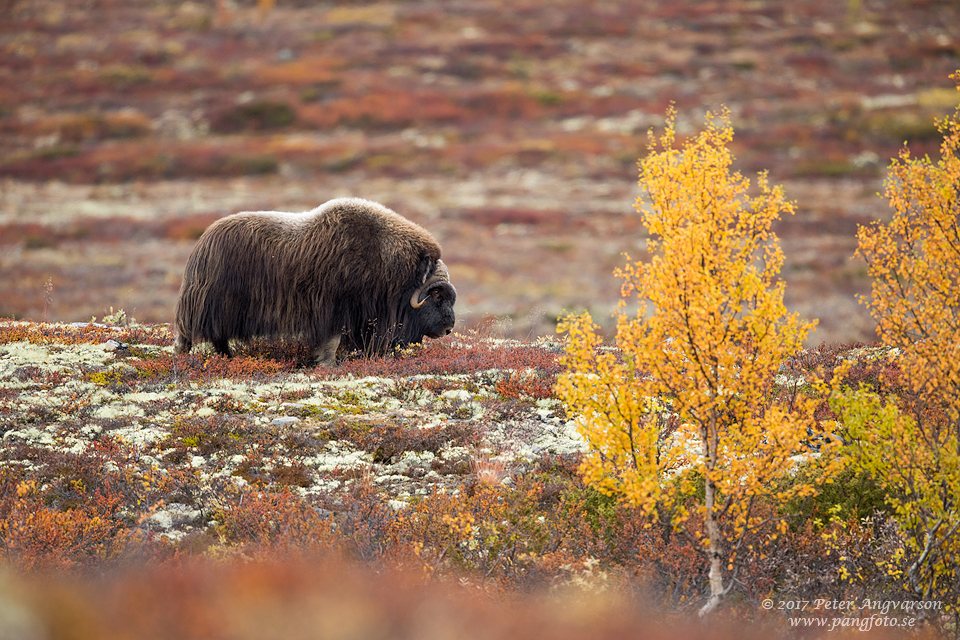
pixel 686 409
pixel 911 444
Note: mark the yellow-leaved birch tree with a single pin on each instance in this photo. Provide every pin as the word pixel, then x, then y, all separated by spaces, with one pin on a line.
pixel 911 444
pixel 702 351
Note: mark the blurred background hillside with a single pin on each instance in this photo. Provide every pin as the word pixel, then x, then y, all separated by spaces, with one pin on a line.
pixel 509 129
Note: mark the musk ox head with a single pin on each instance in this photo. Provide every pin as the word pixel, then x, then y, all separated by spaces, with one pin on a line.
pixel 431 305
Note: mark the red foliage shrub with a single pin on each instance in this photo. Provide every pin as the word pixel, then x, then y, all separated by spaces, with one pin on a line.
pixel 384 110
pixel 587 21
pixel 520 384
pixel 388 440
pixel 493 216
pixel 38 236
pixel 192 367
pixel 43 333
pixel 872 368
pixel 457 354
pixel 489 531
pixel 271 523
pixel 122 162
pixel 38 536
pixel 222 434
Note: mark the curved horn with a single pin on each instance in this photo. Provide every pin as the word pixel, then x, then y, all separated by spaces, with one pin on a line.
pixel 441 274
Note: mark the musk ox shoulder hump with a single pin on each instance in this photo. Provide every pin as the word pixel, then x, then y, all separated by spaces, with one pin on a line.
pixel 374 226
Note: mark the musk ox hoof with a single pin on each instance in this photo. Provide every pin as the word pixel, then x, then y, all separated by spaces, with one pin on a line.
pixel 181 345
pixel 222 347
pixel 326 354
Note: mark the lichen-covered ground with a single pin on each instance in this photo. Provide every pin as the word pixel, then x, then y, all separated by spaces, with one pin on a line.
pixel 116 402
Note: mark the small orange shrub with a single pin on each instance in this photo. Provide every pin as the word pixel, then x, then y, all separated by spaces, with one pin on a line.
pixel 36 536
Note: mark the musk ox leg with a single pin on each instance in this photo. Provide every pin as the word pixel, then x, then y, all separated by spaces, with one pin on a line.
pixel 182 344
pixel 222 346
pixel 326 354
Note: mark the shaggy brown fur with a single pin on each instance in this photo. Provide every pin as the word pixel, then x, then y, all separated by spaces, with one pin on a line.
pixel 347 269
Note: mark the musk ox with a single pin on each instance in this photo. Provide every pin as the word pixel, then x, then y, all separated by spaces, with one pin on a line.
pixel 349 271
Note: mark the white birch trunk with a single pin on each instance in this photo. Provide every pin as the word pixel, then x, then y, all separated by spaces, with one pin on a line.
pixel 715 553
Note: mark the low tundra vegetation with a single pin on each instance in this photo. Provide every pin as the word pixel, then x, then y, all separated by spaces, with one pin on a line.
pixel 454 463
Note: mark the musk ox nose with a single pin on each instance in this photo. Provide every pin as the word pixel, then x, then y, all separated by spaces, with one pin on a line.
pixel 449 331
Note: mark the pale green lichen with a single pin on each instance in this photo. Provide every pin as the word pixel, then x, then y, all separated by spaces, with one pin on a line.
pixel 100 398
